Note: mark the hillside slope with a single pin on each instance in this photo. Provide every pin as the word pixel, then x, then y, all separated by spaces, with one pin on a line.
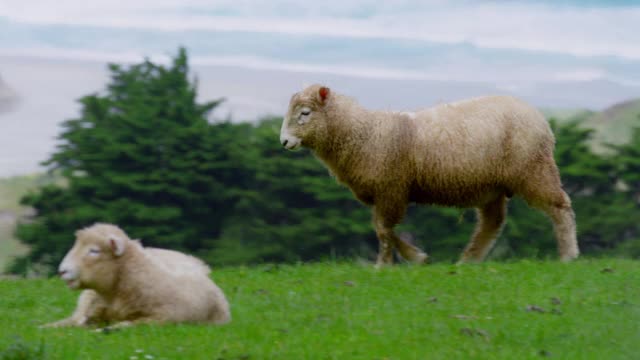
pixel 567 115
pixel 8 98
pixel 615 124
pixel 612 125
pixel 11 190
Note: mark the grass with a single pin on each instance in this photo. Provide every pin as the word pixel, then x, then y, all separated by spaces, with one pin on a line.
pixel 589 309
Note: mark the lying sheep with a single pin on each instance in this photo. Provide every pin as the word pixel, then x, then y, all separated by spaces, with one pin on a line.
pixel 127 284
pixel 472 153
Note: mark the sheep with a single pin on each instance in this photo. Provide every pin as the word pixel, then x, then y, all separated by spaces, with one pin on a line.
pixel 126 284
pixel 472 153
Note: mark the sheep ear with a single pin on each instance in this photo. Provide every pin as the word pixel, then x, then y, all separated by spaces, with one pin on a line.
pixel 324 93
pixel 117 245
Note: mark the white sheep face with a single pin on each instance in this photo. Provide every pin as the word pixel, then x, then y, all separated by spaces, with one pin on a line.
pixel 303 117
pixel 294 119
pixel 90 262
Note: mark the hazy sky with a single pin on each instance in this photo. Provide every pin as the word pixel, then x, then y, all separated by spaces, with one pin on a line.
pixel 391 54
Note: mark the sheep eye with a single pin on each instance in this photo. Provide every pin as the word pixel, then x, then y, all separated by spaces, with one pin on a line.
pixel 94 252
pixel 302 119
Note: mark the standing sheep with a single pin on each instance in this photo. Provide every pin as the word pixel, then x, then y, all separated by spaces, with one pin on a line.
pixel 472 153
pixel 126 283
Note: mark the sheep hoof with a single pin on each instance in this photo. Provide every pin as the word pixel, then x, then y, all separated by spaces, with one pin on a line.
pixel 106 330
pixel 381 264
pixel 468 260
pixel 420 258
pixel 568 257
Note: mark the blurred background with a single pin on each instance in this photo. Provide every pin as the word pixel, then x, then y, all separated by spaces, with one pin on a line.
pixel 578 61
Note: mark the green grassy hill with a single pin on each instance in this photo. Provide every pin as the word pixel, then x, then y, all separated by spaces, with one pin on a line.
pixel 614 124
pixel 566 115
pixel 589 309
pixel 11 190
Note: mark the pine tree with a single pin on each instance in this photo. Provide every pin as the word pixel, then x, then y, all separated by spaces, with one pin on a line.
pixel 144 156
pixel 291 210
pixel 627 163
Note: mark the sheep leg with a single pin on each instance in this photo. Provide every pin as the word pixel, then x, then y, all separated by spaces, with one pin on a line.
pixel 384 222
pixel 70 321
pixel 409 251
pixel 564 225
pixel 545 193
pixel 116 326
pixel 490 221
pixel 128 323
pixel 385 248
pixel 89 307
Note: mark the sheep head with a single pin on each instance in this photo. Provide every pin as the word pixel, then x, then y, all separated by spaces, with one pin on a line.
pixel 93 260
pixel 305 119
